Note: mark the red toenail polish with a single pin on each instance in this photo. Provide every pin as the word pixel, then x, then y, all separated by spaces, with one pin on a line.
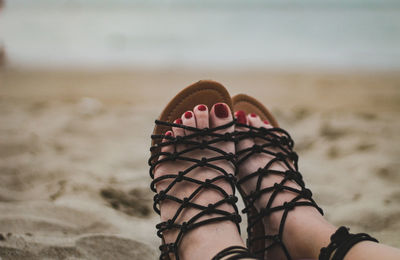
pixel 266 122
pixel 178 121
pixel 188 115
pixel 253 115
pixel 221 110
pixel 168 133
pixel 202 108
pixel 241 117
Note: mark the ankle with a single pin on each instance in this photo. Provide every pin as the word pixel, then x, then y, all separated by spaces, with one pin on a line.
pixel 207 241
pixel 306 231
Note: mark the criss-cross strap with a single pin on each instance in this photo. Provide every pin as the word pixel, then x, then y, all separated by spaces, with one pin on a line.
pixel 209 138
pixel 341 243
pixel 234 253
pixel 278 144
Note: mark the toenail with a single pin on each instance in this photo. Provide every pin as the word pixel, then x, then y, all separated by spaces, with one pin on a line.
pixel 178 121
pixel 168 133
pixel 188 115
pixel 241 117
pixel 221 110
pixel 253 115
pixel 266 122
pixel 202 108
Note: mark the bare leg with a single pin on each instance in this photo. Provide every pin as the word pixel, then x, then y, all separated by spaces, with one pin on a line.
pixel 306 230
pixel 206 241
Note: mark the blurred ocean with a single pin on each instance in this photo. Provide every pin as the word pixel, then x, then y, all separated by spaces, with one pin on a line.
pixel 345 34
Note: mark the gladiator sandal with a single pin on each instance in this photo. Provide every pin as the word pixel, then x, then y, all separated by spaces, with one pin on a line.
pixel 279 145
pixel 341 243
pixel 207 93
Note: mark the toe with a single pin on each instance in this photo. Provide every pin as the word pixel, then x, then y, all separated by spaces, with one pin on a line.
pixel 188 119
pixel 177 131
pixel 167 148
pixel 267 124
pixel 164 149
pixel 255 120
pixel 201 115
pixel 242 119
pixel 220 115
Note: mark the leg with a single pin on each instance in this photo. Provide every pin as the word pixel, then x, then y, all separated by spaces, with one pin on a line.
pixel 207 240
pixel 305 231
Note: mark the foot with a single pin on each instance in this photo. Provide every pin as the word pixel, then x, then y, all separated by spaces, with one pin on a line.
pixel 299 219
pixel 205 241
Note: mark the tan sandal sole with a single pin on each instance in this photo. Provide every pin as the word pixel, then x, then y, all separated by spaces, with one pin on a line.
pixel 251 105
pixel 206 92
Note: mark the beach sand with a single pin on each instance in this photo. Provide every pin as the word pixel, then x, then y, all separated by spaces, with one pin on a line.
pixel 74 180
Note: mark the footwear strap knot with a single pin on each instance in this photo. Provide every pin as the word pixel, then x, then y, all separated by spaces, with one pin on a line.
pixel 179 178
pixel 289 205
pixel 275 142
pixel 203 162
pixel 284 140
pixel 231 177
pixel 171 247
pixel 291 174
pixel 257 148
pixel 232 199
pixel 236 218
pixel 307 194
pixel 185 202
pixel 161 195
pixel 278 186
pixel 184 227
pixel 231 156
pixel 293 156
pixel 341 234
pixel 261 171
pixel 173 156
pixel 280 156
pixel 227 137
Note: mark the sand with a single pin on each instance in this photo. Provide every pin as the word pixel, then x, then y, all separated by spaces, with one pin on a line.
pixel 74 147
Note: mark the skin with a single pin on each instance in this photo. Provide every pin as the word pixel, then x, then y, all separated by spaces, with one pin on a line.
pixel 206 241
pixel 305 233
pixel 306 230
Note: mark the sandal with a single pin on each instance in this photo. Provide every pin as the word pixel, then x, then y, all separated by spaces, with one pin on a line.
pixel 276 138
pixel 207 93
pixel 341 243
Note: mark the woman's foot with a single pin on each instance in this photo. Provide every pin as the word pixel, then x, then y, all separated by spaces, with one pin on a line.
pixel 305 230
pixel 207 240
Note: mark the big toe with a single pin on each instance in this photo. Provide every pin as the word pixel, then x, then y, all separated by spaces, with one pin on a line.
pixel 220 115
pixel 243 143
